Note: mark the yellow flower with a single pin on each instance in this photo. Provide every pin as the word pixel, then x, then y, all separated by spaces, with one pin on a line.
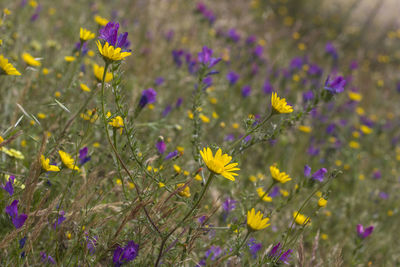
pixel 255 221
pixel 41 116
pixel 354 144
pixel 100 20
pixel 84 87
pixel 365 129
pixel 109 52
pixel 85 35
pixel 161 184
pixel 300 219
pixel 220 163
pixel 279 176
pixel 261 194
pixel 185 192
pixel 1 139
pixel 7 68
pixel 118 123
pixel 177 168
pixel 99 71
pixel 204 118
pixel 279 105
pixel 30 60
pixel 12 152
pixel 322 202
pixel 355 96
pixel 68 160
pixel 46 165
pixel 305 129
pixel 69 58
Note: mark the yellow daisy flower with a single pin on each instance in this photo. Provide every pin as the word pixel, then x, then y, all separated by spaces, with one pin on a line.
pixel 300 219
pixel 30 60
pixel 46 165
pixel 68 160
pixel 118 123
pixel 85 35
pixel 69 58
pixel 280 177
pixel 279 105
pixel 99 71
pixel 255 220
pixel 220 163
pixel 7 68
pixel 185 192
pixel 100 20
pixel 111 53
pixel 84 87
pixel 261 194
pixel 322 202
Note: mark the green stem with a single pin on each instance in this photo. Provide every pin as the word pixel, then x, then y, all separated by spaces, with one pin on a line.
pixel 164 240
pixel 251 131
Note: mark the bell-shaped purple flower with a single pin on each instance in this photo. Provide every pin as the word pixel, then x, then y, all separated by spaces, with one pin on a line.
pixel 319 175
pixel 335 85
pixel 9 186
pixel 148 97
pixel 205 57
pixel 125 254
pixel 17 219
pixel 364 233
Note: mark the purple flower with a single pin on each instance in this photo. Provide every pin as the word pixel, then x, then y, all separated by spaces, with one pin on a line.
pixel 179 102
pixel 251 40
pixel 330 49
pixel 377 174
pixel 83 156
pixel 314 70
pixel 17 220
pixel 330 129
pixel 364 233
pixel 35 15
pixel 91 243
pixel 60 219
pixel 307 96
pixel 383 195
pixel 177 54
pixel 233 35
pixel 307 171
pixel 171 155
pixel 254 247
pixel 313 151
pixel 267 87
pixel 319 175
pixel 148 97
pixel 353 65
pixel 214 252
pixel 258 51
pixel 22 242
pixel 169 35
pixel 125 254
pixel 109 33
pixel 229 204
pixel 336 85
pixel 205 57
pixel 166 111
pixel 246 91
pixel 47 259
pixel 159 81
pixel 232 77
pixel 296 63
pixel 277 252
pixel 9 185
pixel 160 145
pixel 275 191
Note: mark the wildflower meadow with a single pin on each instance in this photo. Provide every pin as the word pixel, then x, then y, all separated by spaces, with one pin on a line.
pixel 199 133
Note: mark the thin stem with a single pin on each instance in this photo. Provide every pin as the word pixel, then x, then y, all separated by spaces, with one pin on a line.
pixel 164 240
pixel 116 152
pixel 251 131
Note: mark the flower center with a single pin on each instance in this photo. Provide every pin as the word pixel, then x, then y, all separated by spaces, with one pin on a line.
pixel 215 166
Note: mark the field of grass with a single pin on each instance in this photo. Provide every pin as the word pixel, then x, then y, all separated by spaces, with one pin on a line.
pixel 199 133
